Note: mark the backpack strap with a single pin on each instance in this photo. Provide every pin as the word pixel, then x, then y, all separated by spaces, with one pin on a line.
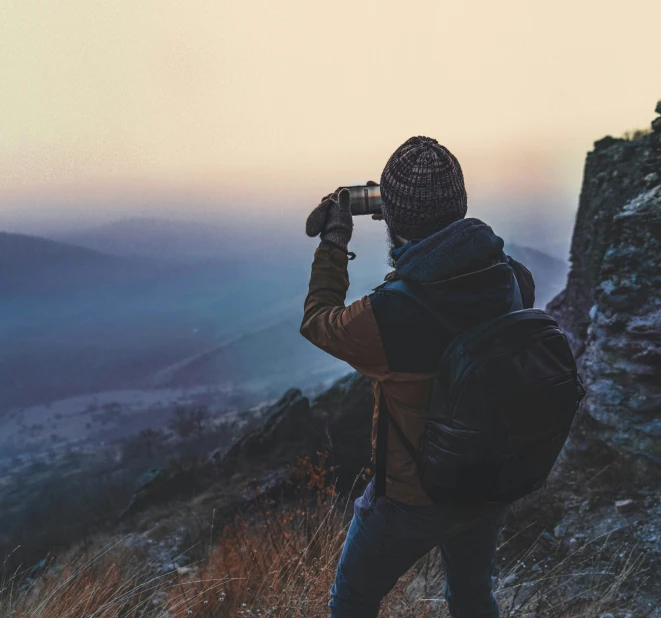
pixel 415 292
pixel 382 445
pixel 517 300
pixel 410 290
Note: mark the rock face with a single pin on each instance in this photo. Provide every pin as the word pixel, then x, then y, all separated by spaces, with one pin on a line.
pixel 611 307
pixel 159 485
pixel 338 421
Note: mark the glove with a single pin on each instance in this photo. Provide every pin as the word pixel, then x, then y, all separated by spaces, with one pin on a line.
pixel 332 220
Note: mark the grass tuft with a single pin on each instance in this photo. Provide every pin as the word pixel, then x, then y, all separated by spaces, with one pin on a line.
pixel 635 134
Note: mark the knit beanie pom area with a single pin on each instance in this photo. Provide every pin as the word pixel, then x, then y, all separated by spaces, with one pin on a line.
pixel 422 188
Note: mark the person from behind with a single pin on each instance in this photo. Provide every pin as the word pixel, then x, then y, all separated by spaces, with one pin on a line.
pixel 459 266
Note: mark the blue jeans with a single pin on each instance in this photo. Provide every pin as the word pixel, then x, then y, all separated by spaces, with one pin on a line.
pixel 386 538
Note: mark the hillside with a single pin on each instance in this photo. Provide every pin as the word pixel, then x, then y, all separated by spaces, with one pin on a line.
pixel 271 353
pixel 20 250
pixel 586 542
pixel 29 264
pixel 76 321
pixel 152 238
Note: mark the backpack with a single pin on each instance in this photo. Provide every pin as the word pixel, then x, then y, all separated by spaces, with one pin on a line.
pixel 503 401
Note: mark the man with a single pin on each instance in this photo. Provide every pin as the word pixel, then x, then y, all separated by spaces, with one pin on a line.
pixel 398 343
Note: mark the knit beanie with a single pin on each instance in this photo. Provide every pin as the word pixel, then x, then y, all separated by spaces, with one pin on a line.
pixel 422 189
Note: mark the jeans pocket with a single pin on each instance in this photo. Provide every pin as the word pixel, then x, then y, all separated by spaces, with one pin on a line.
pixel 366 503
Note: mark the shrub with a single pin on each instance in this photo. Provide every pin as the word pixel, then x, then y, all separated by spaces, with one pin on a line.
pixel 636 134
pixel 188 421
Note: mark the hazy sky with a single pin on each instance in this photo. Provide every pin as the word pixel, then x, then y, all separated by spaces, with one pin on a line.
pixel 273 104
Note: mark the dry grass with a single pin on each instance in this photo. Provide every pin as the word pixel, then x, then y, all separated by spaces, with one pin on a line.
pixel 588 582
pixel 266 563
pixel 281 562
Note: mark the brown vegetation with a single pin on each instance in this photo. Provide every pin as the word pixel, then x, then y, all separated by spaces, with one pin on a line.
pixel 636 134
pixel 280 561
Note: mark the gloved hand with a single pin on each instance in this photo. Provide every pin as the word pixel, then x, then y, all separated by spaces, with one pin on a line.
pixel 332 220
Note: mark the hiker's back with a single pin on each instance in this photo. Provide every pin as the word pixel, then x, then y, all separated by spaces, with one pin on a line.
pixel 414 341
pixel 503 400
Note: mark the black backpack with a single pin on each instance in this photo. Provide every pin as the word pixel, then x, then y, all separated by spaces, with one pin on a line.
pixel 503 401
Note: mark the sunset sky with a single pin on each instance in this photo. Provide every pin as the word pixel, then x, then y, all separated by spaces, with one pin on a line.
pixel 224 105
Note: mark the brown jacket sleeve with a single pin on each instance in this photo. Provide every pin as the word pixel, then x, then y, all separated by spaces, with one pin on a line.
pixel 348 333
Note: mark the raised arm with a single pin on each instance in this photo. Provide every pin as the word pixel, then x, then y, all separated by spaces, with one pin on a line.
pixel 348 333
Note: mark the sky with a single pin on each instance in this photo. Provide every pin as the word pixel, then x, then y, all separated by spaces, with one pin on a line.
pixel 256 107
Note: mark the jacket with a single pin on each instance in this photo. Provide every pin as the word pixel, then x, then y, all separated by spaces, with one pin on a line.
pixel 396 342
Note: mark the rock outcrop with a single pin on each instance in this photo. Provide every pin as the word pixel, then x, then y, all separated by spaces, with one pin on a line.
pixel 338 421
pixel 611 307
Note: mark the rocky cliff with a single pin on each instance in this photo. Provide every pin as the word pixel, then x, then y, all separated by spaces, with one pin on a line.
pixel 611 307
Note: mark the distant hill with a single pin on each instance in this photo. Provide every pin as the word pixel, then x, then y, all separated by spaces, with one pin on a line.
pixel 275 354
pixel 170 241
pixel 153 238
pixel 32 252
pixel 77 319
pixel 30 264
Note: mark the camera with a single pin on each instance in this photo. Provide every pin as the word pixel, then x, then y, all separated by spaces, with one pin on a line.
pixel 364 199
